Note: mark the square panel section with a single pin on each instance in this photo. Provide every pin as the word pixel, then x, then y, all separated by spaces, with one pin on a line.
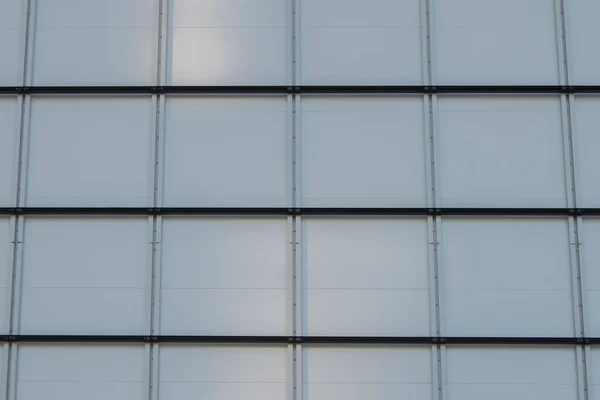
pixel 365 277
pixel 108 42
pixel 9 149
pixel 495 42
pixel 590 260
pixel 500 152
pixel 6 268
pixel 93 271
pixel 91 151
pixel 587 141
pixel 506 277
pixel 223 372
pixel 352 42
pixel 363 152
pixel 355 373
pixel 227 42
pixel 13 21
pixel 582 33
pixel 227 151
pixel 519 373
pixel 72 372
pixel 225 276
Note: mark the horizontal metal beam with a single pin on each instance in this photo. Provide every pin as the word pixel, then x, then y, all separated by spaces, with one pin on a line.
pixel 282 89
pixel 306 211
pixel 314 340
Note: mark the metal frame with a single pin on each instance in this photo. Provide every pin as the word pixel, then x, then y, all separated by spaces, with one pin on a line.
pixel 302 89
pixel 303 211
pixel 302 340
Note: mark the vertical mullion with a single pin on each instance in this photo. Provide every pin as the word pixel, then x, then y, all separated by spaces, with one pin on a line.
pixel 581 357
pixel 584 355
pixel 425 42
pixel 299 371
pixel 294 222
pixel 12 372
pixel 24 137
pixel 290 172
pixel 296 42
pixel 575 223
pixel 568 151
pixel 18 187
pixel 561 36
pixel 431 41
pixel 157 197
pixel 16 285
pixel 561 45
pixel 576 279
pixel 297 151
pixel 587 380
pixel 29 42
pixel 162 42
pixel 18 124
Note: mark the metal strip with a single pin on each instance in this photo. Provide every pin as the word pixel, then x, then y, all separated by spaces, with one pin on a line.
pixel 12 372
pixel 18 124
pixel 147 366
pixel 575 272
pixel 581 357
pixel 580 242
pixel 299 89
pixel 588 379
pixel 154 373
pixel 297 60
pixel 299 249
pixel 561 51
pixel 442 356
pixel 297 373
pixel 290 275
pixel 427 19
pixel 290 142
pixel 291 371
pixel 29 42
pixel 308 211
pixel 304 340
pixel 568 154
pixel 161 71
pixel 432 268
pixel 17 274
pixel 156 275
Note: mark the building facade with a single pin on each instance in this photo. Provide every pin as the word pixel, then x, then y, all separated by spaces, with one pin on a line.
pixel 299 199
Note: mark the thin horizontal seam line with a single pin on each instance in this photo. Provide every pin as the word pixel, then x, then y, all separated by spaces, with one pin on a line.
pixel 88 287
pixel 511 384
pixel 362 111
pixel 366 289
pixel 225 382
pixel 368 383
pixel 361 27
pixel 506 27
pixel 509 290
pixel 87 27
pixel 277 27
pixel 497 112
pixel 223 288
pixel 76 381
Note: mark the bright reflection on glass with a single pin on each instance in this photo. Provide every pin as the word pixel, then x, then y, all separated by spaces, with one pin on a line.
pixel 216 42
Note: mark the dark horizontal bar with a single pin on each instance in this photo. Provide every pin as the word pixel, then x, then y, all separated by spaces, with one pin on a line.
pixel 282 89
pixel 306 211
pixel 314 340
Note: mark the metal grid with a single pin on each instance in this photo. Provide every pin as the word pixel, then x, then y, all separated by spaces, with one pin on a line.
pixel 294 91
